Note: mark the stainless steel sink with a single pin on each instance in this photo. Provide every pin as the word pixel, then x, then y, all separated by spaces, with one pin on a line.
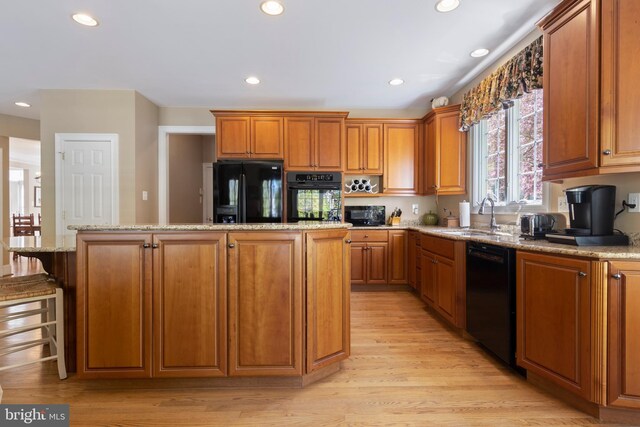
pixel 475 233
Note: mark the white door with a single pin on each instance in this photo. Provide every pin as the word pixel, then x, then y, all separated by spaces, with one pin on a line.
pixel 207 196
pixel 86 180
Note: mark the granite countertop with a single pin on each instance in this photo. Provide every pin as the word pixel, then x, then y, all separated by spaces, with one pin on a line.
pixel 303 225
pixel 22 244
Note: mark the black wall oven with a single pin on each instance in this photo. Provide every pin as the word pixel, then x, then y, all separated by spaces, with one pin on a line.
pixel 314 196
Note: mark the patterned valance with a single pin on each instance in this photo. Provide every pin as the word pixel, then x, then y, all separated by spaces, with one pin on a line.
pixel 520 75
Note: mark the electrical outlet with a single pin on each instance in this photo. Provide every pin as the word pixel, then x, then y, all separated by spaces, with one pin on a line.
pixel 414 208
pixel 634 199
pixel 563 206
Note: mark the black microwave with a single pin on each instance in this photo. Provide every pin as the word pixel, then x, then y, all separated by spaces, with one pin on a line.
pixel 368 216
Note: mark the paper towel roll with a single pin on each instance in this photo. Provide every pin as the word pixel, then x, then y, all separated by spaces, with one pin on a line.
pixel 465 214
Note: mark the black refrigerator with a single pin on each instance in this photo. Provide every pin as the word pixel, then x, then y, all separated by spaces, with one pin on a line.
pixel 247 192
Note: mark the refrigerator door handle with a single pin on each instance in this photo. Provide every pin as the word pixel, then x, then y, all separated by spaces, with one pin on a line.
pixel 243 199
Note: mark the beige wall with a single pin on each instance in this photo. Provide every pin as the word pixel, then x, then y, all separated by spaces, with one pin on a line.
pixel 178 116
pixel 185 178
pixel 146 164
pixel 19 127
pixel 208 148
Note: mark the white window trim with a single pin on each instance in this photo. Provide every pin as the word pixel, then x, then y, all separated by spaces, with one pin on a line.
pixel 479 172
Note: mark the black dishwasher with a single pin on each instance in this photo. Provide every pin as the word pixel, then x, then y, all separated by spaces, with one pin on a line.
pixel 491 298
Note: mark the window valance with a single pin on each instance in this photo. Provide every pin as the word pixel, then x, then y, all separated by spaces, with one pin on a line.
pixel 521 74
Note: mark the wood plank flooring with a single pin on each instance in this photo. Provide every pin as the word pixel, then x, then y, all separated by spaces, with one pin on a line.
pixel 406 369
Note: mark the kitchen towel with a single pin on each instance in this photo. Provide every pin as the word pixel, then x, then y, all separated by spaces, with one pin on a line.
pixel 465 213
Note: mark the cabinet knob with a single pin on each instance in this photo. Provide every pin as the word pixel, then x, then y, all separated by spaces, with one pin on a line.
pixel 232 245
pixel 146 245
pixel 366 236
pixel 348 241
pixel 155 246
pixel 617 276
pixel 606 152
pixel 540 165
pixel 582 274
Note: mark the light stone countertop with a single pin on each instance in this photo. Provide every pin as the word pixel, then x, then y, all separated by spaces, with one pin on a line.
pixel 22 244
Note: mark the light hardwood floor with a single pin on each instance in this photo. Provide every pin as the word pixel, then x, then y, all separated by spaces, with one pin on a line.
pixel 406 368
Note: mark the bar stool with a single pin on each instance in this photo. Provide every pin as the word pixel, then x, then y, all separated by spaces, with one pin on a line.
pixel 14 293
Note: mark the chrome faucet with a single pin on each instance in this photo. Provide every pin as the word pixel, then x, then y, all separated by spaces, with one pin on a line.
pixel 492 223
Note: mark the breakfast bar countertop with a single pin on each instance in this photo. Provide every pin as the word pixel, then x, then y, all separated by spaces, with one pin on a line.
pixel 31 244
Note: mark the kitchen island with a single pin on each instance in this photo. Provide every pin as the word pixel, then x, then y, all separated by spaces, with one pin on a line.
pixel 265 300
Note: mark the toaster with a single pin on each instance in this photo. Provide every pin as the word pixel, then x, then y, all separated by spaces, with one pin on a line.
pixel 536 225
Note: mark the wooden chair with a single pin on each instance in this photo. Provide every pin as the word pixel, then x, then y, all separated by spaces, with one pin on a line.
pixel 23 225
pixel 15 292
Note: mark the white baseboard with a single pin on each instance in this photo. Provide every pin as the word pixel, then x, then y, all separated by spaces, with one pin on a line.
pixel 5 270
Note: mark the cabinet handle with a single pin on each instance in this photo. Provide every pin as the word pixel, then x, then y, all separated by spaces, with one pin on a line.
pixel 582 274
pixel 348 241
pixel 155 246
pixel 606 152
pixel 146 246
pixel 540 165
pixel 617 276
pixel 232 245
pixel 366 236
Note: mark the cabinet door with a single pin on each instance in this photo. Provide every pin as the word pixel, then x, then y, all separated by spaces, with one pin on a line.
pixel 554 320
pixel 620 90
pixel 298 143
pixel 377 263
pixel 372 149
pixel 329 144
pixel 260 294
pixel 328 291
pixel 412 266
pixel 571 81
pixel 233 137
pixel 624 335
pixel 354 161
pixel 452 152
pixel 358 263
pixel 432 152
pixel 190 304
pixel 398 254
pixel 401 158
pixel 428 279
pixel 445 296
pixel 267 139
pixel 114 305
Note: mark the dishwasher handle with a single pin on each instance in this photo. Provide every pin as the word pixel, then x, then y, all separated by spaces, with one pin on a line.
pixel 496 259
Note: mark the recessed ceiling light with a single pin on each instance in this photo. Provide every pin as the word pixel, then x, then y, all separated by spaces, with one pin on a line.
pixel 252 80
pixel 23 104
pixel 447 5
pixel 478 53
pixel 84 19
pixel 272 7
pixel 396 82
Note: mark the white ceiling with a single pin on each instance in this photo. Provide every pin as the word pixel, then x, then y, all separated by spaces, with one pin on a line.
pixel 326 55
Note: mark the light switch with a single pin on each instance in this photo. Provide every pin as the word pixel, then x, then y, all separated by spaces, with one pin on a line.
pixel 145 195
pixel 414 208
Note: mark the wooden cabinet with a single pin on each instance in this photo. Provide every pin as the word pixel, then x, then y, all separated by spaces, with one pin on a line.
pixel 114 305
pixel 443 274
pixel 412 265
pixel 554 305
pixel 619 144
pixel 398 256
pixel 328 291
pixel 445 152
pixel 364 148
pixel 190 304
pixel 401 156
pixel 244 137
pixel 265 304
pixel 624 335
pixel 314 143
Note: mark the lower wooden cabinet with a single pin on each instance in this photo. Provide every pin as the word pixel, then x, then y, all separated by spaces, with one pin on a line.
pixel 398 253
pixel 114 305
pixel 379 257
pixel 443 274
pixel 624 335
pixel 413 252
pixel 554 333
pixel 190 304
pixel 265 304
pixel 328 290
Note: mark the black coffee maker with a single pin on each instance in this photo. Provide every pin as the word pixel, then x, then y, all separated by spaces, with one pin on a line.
pixel 591 215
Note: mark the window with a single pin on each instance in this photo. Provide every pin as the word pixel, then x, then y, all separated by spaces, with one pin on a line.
pixel 508 154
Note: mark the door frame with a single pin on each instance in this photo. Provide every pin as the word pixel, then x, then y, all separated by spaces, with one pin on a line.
pixel 163 162
pixel 113 139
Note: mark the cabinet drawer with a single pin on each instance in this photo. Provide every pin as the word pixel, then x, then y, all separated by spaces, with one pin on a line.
pixel 369 236
pixel 436 245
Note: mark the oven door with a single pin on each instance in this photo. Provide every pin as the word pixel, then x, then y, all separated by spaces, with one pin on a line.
pixel 317 203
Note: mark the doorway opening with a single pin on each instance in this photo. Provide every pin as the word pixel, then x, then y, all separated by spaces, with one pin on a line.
pixel 24 187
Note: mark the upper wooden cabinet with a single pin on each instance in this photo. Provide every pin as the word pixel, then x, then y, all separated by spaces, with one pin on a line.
pixel 244 137
pixel 364 148
pixel 314 143
pixel 445 152
pixel 590 88
pixel 401 157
